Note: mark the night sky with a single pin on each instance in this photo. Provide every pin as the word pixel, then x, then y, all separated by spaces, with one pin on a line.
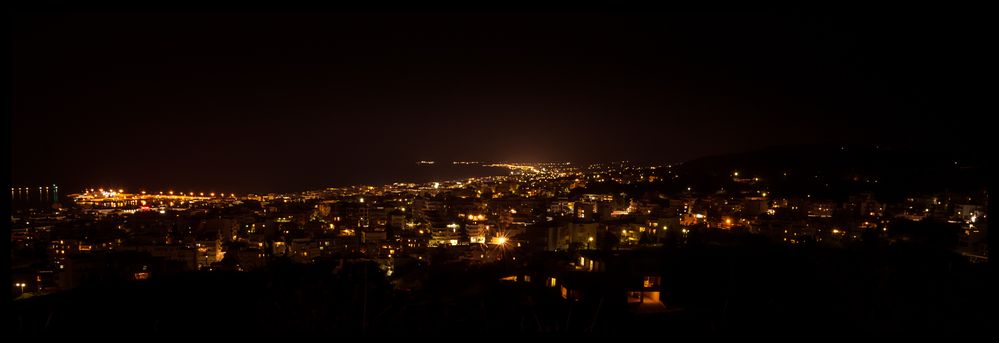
pixel 294 101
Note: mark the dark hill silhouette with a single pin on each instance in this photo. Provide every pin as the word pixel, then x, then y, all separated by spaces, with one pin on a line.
pixel 835 171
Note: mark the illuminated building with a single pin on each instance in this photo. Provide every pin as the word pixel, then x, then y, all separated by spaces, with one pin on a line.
pixel 580 235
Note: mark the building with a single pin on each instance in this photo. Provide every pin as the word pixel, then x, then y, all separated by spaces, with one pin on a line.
pixel 209 251
pixel 572 235
pixel 754 206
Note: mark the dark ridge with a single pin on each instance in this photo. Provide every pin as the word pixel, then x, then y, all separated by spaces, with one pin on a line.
pixel 836 171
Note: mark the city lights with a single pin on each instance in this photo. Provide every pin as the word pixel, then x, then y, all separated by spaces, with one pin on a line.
pixel 575 139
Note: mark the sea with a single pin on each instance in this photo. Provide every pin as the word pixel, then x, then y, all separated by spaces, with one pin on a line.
pixel 44 195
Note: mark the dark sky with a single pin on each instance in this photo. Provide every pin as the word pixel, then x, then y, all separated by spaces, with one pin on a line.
pixel 294 101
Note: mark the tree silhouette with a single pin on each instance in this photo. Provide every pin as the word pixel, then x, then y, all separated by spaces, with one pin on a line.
pixel 607 240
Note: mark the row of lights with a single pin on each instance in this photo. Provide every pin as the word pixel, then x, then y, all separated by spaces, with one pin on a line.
pixel 122 191
pixel 29 188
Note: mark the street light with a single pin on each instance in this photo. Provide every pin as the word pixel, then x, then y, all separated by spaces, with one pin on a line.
pixel 21 285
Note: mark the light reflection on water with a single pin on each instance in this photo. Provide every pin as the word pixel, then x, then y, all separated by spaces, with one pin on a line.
pixel 35 196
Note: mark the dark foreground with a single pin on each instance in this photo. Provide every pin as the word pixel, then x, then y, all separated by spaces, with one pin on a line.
pixel 709 289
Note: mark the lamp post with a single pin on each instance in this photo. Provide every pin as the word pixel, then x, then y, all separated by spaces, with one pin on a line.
pixel 501 242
